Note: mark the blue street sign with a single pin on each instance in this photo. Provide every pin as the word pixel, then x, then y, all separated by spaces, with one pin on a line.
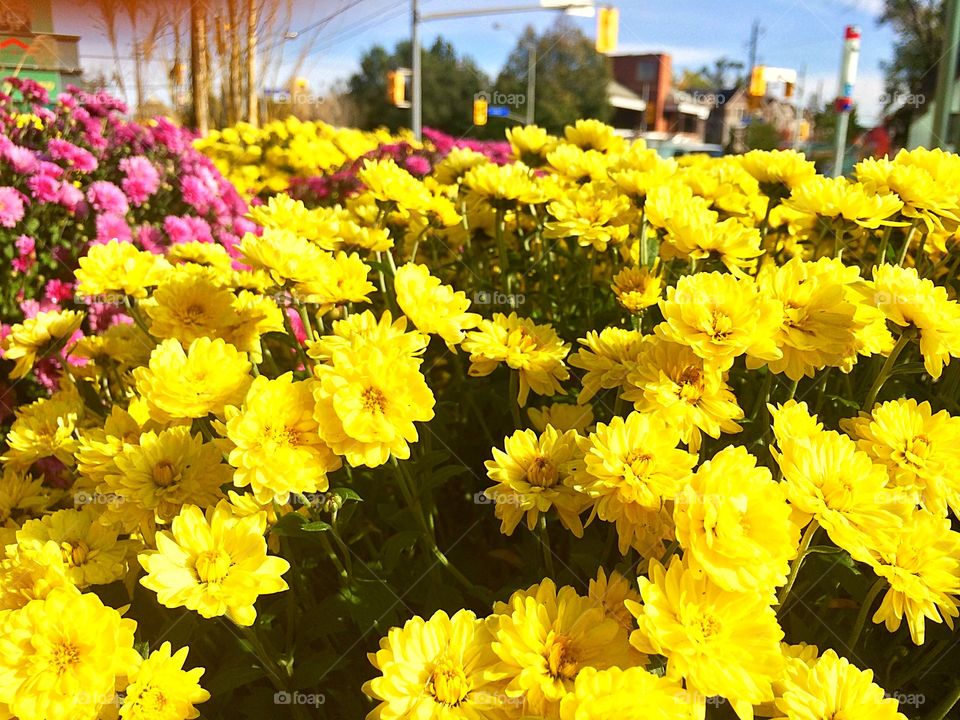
pixel 498 111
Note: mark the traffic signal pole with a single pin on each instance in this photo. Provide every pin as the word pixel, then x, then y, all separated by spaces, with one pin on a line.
pixel 946 76
pixel 848 76
pixel 416 104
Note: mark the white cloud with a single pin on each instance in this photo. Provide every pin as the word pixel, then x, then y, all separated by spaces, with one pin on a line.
pixel 867 93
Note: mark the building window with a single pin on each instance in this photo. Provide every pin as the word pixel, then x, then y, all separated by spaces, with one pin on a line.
pixel 646 72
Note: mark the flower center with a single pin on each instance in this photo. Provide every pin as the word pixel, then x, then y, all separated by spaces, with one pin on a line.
pixel 542 472
pixel 164 473
pixel 448 685
pixel 212 566
pixel 705 626
pixel 561 659
pixel 638 461
pixel 690 384
pixel 75 554
pixel 150 703
pixel 721 325
pixel 65 655
pixel 194 313
pixel 374 400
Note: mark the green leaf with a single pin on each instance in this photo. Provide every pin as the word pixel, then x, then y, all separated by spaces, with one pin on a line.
pixel 316 526
pixel 345 493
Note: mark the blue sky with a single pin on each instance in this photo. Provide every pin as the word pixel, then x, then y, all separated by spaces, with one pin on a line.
pixel 795 33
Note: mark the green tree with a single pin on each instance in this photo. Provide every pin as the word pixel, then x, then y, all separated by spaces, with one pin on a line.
pixel 571 78
pixel 911 76
pixel 449 84
pixel 725 73
pixel 762 136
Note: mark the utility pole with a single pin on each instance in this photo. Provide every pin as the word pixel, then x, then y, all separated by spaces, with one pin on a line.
pixel 754 39
pixel 848 76
pixel 946 77
pixel 253 105
pixel 801 80
pixel 416 75
pixel 531 80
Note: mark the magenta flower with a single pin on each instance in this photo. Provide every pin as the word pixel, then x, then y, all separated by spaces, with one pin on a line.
pixel 71 197
pixel 104 196
pixel 26 254
pixel 112 227
pixel 58 291
pixel 44 187
pixel 21 159
pixel 11 206
pixel 73 156
pixel 141 179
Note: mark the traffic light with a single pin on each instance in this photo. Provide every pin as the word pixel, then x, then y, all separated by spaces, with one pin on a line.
pixel 396 88
pixel 480 111
pixel 788 89
pixel 608 27
pixel 758 82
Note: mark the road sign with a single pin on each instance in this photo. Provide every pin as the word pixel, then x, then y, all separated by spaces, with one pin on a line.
pixel 498 111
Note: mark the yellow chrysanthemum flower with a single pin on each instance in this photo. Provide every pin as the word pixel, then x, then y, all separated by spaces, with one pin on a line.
pixel 721 317
pixel 45 428
pixel 60 657
pixel 590 134
pixel 188 305
pixel 611 592
pixel 691 394
pixel 38 335
pixel 530 144
pixel 722 643
pixel 842 488
pixel 921 562
pixel 284 254
pixel 390 183
pixel 833 688
pixel 636 289
pixel 367 404
pixel 22 495
pixel 362 330
pixel 118 268
pixel 778 170
pixel 562 416
pixel 205 378
pixel 161 473
pixel 215 564
pixel 631 468
pixel 336 279
pixel 436 669
pixel 503 186
pixel 31 570
pixel 534 473
pixel 434 308
pixel 920 448
pixel 910 301
pixel 545 637
pixel 277 449
pixel 819 323
pixel 607 357
pixel 629 694
pixel 91 551
pixel 734 522
pixel 161 689
pixel 534 351
pixel 595 214
pixel 843 204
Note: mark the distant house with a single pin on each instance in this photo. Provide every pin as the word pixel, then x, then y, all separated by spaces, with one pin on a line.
pixel 629 109
pixel 731 114
pixel 670 113
pixel 30 48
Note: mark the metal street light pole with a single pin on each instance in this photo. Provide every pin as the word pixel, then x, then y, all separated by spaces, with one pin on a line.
pixel 531 81
pixel 416 74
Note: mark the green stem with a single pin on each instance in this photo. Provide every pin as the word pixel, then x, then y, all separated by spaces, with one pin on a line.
pixel 861 620
pixel 280 679
pixel 906 243
pixel 502 249
pixel 797 562
pixel 427 537
pixel 514 399
pixel 944 707
pixel 331 553
pixel 884 242
pixel 885 371
pixel 544 536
